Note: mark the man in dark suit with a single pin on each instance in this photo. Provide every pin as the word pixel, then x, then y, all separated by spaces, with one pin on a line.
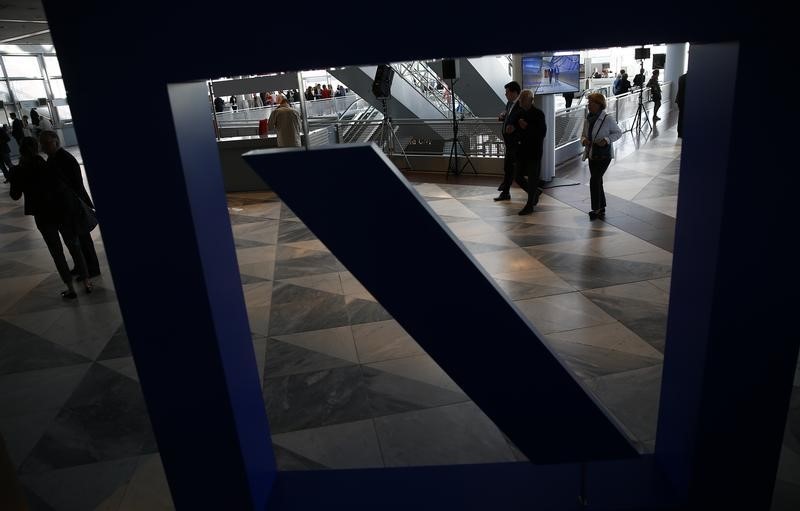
pixel 67 167
pixel 17 129
pixel 509 118
pixel 5 153
pixel 679 99
pixel 530 130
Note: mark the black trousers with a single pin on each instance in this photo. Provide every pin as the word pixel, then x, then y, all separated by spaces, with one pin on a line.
pixel 529 166
pixel 50 231
pixel 656 104
pixel 510 173
pixel 5 163
pixel 596 169
pixel 88 252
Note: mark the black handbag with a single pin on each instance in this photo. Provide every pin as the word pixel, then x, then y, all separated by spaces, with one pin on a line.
pixel 87 219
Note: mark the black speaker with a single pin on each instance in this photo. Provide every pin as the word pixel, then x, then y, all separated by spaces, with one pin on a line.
pixel 642 53
pixel 659 59
pixel 382 86
pixel 450 69
pixel 42 101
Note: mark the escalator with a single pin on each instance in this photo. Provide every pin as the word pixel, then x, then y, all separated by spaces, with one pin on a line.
pixel 481 83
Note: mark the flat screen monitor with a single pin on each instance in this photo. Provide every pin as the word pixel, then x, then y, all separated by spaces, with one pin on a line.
pixel 551 74
pixel 641 53
pixel 659 59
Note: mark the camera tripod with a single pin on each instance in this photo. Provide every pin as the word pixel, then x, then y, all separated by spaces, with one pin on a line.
pixel 387 138
pixel 636 125
pixel 455 143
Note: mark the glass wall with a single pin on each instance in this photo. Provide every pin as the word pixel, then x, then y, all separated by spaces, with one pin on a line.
pixel 32 79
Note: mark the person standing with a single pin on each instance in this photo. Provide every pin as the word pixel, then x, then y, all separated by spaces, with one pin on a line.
pixel 599 133
pixel 655 94
pixel 624 85
pixel 568 97
pixel 679 99
pixel 17 128
pixel 509 118
pixel 34 117
pixel 63 164
pixel 5 153
pixel 286 122
pixel 45 124
pixel 55 210
pixel 531 130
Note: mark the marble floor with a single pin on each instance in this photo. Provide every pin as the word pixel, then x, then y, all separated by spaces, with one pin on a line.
pixel 344 385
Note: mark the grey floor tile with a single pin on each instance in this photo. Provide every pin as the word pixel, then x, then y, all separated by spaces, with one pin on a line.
pixel 282 359
pixel 448 435
pixel 632 397
pixel 104 419
pixel 316 399
pixel 37 391
pixel 389 393
pixel 591 362
pixel 148 488
pixel 383 340
pixel 21 350
pixel 341 446
pixel 83 487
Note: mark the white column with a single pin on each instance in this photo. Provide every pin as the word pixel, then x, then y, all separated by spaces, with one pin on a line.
pixel 675 65
pixel 547 103
pixel 516 64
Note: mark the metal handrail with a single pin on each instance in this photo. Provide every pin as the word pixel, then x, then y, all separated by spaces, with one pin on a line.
pixel 421 72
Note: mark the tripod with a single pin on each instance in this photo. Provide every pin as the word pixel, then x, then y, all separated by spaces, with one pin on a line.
pixel 637 118
pixel 455 143
pixel 387 136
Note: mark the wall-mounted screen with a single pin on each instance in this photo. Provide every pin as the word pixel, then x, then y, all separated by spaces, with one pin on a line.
pixel 551 74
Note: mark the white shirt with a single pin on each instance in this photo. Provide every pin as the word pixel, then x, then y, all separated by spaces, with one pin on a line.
pixel 45 124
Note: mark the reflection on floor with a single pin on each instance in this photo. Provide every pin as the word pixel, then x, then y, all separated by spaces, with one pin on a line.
pixel 343 384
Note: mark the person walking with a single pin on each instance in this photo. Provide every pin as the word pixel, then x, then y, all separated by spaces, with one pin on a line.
pixel 599 133
pixel 509 118
pixel 531 130
pixel 655 94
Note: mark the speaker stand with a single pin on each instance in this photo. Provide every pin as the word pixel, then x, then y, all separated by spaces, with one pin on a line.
pixel 387 138
pixel 452 163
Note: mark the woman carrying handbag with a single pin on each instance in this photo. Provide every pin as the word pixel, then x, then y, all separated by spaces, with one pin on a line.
pixel 599 133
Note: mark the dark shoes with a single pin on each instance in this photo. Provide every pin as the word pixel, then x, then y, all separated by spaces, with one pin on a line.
pixel 68 295
pixel 503 196
pixel 536 195
pixel 91 276
pixel 656 118
pixel 527 210
pixel 600 213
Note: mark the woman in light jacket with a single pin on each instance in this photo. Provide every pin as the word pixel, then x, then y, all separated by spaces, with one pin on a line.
pixel 599 133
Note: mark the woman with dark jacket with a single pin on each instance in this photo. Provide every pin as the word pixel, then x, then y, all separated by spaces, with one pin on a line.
pixel 54 208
